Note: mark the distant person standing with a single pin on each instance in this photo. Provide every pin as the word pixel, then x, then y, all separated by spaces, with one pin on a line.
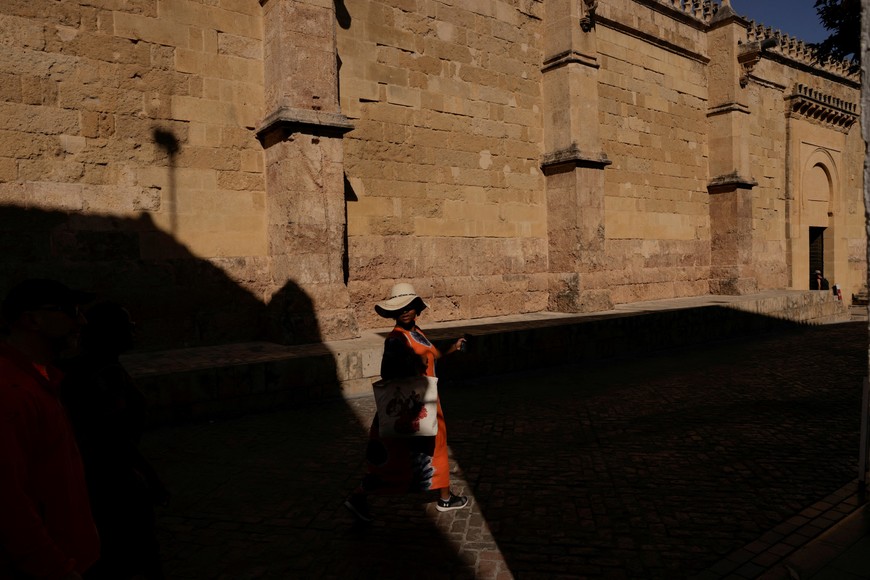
pixel 108 413
pixel 46 528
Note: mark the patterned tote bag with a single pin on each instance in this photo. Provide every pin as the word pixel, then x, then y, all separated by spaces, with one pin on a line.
pixel 407 407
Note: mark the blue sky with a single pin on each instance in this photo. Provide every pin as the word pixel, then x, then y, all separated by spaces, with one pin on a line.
pixel 797 18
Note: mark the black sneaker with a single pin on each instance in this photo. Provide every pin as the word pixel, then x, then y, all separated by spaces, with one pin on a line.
pixel 454 502
pixel 359 507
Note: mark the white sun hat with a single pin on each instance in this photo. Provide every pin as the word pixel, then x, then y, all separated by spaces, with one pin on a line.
pixel 401 295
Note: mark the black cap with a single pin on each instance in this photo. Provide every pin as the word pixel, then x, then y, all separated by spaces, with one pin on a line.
pixel 35 293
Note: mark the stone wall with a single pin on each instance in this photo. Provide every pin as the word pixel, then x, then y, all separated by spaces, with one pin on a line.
pixel 443 162
pixel 128 161
pixel 814 153
pixel 768 136
pixel 237 170
pixel 653 121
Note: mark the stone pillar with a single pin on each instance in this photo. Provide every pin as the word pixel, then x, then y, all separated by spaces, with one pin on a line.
pixel 302 136
pixel 730 186
pixel 573 162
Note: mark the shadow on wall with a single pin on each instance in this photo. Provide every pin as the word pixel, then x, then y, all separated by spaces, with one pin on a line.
pixel 178 298
pixel 342 16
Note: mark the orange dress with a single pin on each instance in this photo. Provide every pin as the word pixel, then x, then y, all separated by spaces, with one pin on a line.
pixel 407 464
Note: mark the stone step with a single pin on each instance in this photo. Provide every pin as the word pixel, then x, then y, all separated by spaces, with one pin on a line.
pixel 233 379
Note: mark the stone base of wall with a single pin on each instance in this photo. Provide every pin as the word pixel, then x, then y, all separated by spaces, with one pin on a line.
pixel 199 383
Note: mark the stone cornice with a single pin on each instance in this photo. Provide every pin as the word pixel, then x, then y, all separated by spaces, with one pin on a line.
pixel 654 40
pixel 728 108
pixel 569 57
pixel 730 182
pixel 572 157
pixel 816 106
pixel 291 120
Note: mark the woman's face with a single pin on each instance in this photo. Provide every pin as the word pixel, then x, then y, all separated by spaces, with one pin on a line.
pixel 407 315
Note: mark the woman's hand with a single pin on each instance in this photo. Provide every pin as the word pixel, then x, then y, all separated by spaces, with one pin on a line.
pixel 456 346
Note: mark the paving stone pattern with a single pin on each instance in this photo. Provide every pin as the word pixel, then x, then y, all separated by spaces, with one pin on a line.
pixel 659 466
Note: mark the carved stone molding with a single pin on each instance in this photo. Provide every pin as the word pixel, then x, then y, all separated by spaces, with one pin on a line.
pixel 571 157
pixel 587 23
pixel 749 55
pixel 730 182
pixel 818 107
pixel 728 108
pixel 289 120
pixel 569 57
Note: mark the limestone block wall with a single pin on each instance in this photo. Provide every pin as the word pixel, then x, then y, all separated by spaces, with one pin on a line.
pixel 854 225
pixel 128 160
pixel 768 167
pixel 653 106
pixel 806 168
pixel 443 166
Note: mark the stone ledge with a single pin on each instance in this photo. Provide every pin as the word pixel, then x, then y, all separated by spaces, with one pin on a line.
pixel 291 120
pixel 571 157
pixel 226 380
pixel 730 182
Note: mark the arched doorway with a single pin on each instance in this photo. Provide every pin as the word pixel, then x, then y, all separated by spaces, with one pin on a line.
pixel 818 193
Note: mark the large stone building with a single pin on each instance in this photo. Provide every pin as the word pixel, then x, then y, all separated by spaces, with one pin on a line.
pixel 235 169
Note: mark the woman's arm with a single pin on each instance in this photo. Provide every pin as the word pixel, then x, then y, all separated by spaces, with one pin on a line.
pixel 450 347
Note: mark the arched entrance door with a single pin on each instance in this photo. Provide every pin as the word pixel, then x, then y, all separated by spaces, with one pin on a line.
pixel 817 212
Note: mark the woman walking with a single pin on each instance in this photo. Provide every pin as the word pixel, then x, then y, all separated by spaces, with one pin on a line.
pixel 406 464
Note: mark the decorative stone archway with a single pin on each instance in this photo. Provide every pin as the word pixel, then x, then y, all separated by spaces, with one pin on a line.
pixel 817 124
pixel 818 210
pixel 814 226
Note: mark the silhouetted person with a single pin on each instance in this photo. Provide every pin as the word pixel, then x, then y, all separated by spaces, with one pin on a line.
pixel 108 413
pixel 46 528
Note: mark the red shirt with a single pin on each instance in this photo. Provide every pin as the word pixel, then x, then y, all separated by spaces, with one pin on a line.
pixel 46 528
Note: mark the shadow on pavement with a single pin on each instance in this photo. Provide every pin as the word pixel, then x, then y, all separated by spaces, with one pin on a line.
pixel 656 466
pixel 255 497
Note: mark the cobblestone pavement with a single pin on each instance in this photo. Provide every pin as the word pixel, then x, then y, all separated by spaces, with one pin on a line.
pixel 649 467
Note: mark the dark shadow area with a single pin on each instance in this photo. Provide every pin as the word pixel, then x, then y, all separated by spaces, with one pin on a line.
pixel 273 504
pixel 179 299
pixel 657 455
pixel 258 495
pixel 349 196
pixel 506 347
pixel 638 445
pixel 342 16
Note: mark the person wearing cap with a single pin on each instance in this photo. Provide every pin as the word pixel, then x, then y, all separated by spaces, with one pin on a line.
pixel 407 464
pixel 46 527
